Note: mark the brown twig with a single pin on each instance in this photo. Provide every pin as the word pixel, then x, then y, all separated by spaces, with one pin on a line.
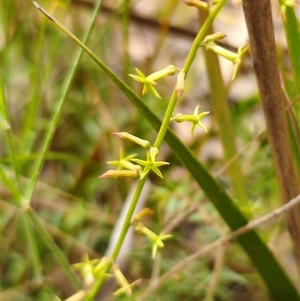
pixel 221 241
pixel 263 51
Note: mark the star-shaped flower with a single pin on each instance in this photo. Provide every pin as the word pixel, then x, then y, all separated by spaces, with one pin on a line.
pixel 91 269
pixel 125 287
pixel 123 162
pixel 235 58
pixel 150 163
pixel 125 167
pixel 157 240
pixel 150 80
pixel 194 119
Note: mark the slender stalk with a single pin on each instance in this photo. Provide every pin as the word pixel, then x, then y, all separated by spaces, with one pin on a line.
pixel 263 51
pixel 32 244
pixel 219 101
pixel 11 186
pixel 292 33
pixel 99 282
pixel 56 251
pixel 9 136
pixel 66 89
pixel 125 29
pixel 188 62
pixel 35 97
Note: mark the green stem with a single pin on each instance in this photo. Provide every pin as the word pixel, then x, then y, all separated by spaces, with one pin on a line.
pixel 219 101
pixel 292 33
pixel 32 244
pixel 50 133
pixel 9 136
pixel 127 223
pixel 128 219
pixel 35 96
pixel 11 186
pixel 125 28
pixel 188 62
pixel 56 251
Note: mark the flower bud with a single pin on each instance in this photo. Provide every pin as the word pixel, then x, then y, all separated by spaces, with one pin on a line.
pixel 214 37
pixel 121 173
pixel 134 139
pixel 180 83
pixel 169 70
pixel 197 3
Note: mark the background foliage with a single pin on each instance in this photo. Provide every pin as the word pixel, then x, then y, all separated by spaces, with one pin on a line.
pixel 77 208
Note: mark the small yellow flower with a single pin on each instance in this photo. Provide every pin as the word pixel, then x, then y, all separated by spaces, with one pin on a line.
pixel 125 167
pixel 150 80
pixel 234 57
pixel 157 240
pixel 194 119
pixel 150 163
pixel 125 287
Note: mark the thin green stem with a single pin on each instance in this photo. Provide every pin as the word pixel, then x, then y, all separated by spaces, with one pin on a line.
pixel 125 29
pixel 188 62
pixel 66 89
pixel 128 218
pixel 11 186
pixel 292 33
pixel 220 106
pixel 56 251
pixel 35 98
pixel 127 223
pixel 9 136
pixel 32 244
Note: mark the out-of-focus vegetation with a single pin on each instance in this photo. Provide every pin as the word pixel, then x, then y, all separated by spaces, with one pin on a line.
pixel 78 209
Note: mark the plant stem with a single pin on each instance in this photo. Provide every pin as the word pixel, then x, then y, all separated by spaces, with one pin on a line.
pixel 98 284
pixel 263 51
pixel 292 33
pixel 56 251
pixel 33 249
pixel 66 89
pixel 9 137
pixel 219 101
pixel 188 62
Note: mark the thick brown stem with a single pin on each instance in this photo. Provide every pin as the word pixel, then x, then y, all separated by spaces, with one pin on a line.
pixel 263 51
